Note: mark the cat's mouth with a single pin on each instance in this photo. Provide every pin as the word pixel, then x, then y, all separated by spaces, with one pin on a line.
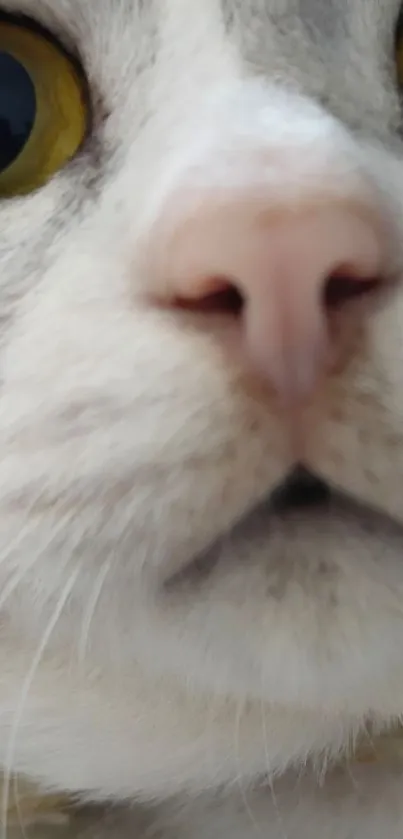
pixel 301 489
pixel 301 504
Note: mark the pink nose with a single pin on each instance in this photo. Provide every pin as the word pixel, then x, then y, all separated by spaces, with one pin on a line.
pixel 290 270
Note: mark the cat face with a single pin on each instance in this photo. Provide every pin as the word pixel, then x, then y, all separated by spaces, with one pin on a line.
pixel 205 298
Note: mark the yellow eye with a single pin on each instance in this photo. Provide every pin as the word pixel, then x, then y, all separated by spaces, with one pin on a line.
pixel 43 112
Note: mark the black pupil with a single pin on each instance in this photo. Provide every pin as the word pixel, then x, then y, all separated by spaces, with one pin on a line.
pixel 17 108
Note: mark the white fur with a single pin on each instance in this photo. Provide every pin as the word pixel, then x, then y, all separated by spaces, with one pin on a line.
pixel 133 437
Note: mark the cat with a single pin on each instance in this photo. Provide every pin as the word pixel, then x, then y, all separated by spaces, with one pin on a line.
pixel 201 515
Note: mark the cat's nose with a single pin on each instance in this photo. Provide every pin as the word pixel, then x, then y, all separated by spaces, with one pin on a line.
pixel 289 275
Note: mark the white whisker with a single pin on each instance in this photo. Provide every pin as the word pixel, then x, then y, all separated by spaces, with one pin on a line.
pixel 91 609
pixel 18 809
pixel 13 582
pixel 8 763
pixel 19 574
pixel 269 771
pixel 245 801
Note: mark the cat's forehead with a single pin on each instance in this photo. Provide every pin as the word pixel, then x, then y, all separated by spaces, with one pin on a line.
pixel 327 18
pixel 338 51
pixel 337 30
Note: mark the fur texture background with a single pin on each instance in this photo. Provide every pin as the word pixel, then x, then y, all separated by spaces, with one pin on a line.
pixel 133 438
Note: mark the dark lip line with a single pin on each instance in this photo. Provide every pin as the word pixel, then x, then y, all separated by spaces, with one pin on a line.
pixel 324 499
pixel 287 502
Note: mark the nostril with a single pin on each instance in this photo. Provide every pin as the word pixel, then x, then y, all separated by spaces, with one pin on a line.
pixel 224 298
pixel 343 287
pixel 340 288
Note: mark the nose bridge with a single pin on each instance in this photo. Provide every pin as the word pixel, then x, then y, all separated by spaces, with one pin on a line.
pixel 255 153
pixel 251 137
